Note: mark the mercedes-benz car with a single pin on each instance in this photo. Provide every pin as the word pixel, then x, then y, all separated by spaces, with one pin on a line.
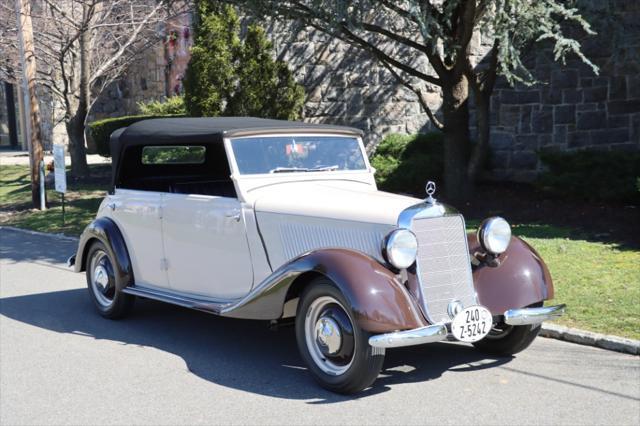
pixel 276 220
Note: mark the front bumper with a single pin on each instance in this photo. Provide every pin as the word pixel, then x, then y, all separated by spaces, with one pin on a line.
pixel 438 332
pixel 527 316
pixel 417 336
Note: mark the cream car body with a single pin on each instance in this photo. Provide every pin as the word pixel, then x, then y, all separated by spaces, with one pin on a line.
pixel 266 219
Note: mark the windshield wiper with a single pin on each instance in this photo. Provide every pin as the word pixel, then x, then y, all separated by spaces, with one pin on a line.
pixel 324 168
pixel 288 169
pixel 304 169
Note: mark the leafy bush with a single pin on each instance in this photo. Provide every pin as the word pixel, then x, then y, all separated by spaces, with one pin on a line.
pixel 592 175
pixel 405 163
pixel 100 130
pixel 173 105
pixel 233 76
pixel 173 154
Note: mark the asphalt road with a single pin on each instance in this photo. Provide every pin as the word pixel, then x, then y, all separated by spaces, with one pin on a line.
pixel 62 363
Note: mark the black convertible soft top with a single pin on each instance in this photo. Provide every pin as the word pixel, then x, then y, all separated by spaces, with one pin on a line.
pixel 204 130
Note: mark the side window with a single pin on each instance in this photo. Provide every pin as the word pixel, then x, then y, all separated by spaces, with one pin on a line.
pixel 198 168
pixel 173 155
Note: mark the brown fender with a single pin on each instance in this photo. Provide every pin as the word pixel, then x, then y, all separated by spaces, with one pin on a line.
pixel 379 301
pixel 521 278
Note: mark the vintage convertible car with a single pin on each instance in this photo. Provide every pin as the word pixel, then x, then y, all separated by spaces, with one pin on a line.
pixel 269 220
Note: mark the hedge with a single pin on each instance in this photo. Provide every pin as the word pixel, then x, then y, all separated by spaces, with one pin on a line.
pixel 404 163
pixel 592 175
pixel 100 130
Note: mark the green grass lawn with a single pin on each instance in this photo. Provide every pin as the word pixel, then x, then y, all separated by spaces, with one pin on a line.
pixel 81 204
pixel 599 281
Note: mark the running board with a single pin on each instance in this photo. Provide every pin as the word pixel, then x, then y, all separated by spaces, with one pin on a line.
pixel 175 299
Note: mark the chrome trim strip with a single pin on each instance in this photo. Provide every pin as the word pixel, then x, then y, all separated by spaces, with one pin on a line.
pixel 267 285
pixel 175 299
pixel 421 211
pixel 311 128
pixel 533 315
pixel 417 336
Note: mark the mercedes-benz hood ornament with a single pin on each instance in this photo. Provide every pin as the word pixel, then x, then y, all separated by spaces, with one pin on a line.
pixel 430 188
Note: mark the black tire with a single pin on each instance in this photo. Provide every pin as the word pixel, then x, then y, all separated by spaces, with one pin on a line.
pixel 505 340
pixel 109 302
pixel 364 361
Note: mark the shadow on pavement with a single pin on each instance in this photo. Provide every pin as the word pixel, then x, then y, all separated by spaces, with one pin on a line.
pixel 235 353
pixel 18 246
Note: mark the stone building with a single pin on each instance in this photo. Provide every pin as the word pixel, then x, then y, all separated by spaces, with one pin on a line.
pixel 571 109
pixel 156 74
pixel 10 128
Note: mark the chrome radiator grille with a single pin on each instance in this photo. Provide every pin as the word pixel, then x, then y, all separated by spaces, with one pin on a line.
pixel 444 267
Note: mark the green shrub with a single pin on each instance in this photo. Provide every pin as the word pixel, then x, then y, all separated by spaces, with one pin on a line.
pixel 100 130
pixel 404 163
pixel 173 105
pixel 592 175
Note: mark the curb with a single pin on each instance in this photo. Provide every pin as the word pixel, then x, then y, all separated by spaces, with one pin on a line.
pixel 588 338
pixel 40 234
pixel 573 335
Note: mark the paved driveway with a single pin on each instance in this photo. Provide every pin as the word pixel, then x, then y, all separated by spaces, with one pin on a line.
pixel 62 363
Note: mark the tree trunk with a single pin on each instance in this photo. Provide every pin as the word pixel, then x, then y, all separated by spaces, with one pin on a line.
pixel 480 151
pixel 75 131
pixel 455 110
pixel 75 126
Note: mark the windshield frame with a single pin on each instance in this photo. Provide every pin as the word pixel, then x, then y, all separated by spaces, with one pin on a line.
pixel 235 172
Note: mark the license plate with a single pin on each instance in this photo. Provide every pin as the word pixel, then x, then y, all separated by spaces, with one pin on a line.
pixel 472 324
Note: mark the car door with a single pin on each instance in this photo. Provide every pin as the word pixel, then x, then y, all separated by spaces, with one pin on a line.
pixel 206 246
pixel 138 214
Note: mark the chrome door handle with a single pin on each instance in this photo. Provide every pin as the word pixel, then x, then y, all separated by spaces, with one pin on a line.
pixel 233 214
pixel 114 205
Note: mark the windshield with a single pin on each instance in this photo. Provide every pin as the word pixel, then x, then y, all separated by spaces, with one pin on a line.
pixel 291 154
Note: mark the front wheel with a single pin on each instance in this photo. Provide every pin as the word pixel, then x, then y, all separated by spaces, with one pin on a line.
pixel 505 340
pixel 334 348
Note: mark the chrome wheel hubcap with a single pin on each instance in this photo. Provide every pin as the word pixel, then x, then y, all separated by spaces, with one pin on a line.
pixel 101 276
pixel 329 335
pixel 102 279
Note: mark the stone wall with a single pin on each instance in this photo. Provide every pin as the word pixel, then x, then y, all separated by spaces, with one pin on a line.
pixel 346 86
pixel 571 109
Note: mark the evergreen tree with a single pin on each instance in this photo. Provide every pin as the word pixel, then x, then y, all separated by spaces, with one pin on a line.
pixel 233 77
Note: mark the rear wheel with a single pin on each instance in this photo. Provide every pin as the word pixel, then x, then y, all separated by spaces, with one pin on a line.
pixel 101 281
pixel 334 348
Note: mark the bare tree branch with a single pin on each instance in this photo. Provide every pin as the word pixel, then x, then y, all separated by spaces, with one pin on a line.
pixel 132 38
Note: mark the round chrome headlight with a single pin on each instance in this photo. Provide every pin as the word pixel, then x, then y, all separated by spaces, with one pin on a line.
pixel 401 248
pixel 494 235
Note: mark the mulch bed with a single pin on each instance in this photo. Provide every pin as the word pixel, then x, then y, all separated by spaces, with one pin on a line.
pixel 521 203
